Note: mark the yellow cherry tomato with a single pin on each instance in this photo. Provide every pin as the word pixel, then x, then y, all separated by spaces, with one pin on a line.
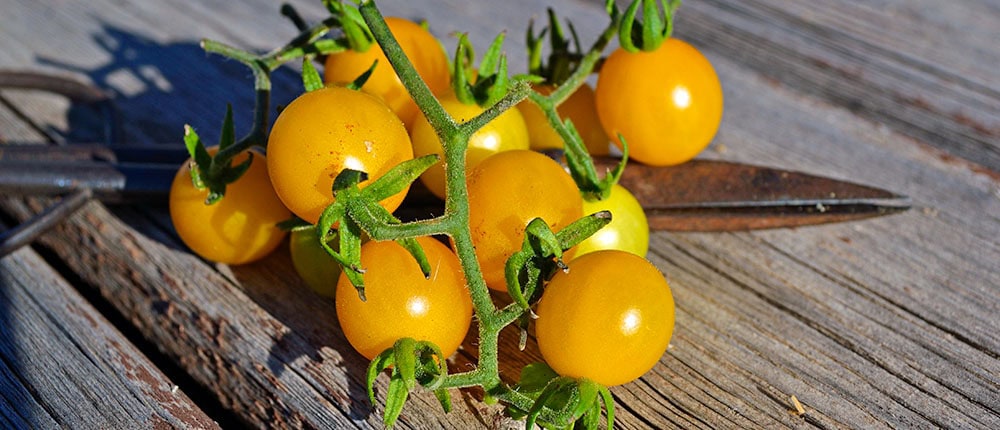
pixel 506 192
pixel 239 228
pixel 628 230
pixel 506 132
pixel 609 318
pixel 401 302
pixel 579 108
pixel 422 49
pixel 322 132
pixel 666 103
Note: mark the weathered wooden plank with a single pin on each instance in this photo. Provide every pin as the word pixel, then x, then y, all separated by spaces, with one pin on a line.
pixel 270 364
pixel 926 69
pixel 12 127
pixel 64 365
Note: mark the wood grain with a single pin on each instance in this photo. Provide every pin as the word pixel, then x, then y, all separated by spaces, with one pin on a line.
pixel 922 68
pixel 64 365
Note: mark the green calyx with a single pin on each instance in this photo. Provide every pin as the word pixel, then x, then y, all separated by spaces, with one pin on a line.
pixel 410 363
pixel 564 53
pixel 656 25
pixel 568 68
pixel 355 211
pixel 561 402
pixel 356 33
pixel 312 81
pixel 215 172
pixel 541 255
pixel 486 85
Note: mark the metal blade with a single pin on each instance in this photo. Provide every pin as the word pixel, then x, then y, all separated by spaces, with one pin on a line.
pixel 702 195
pixel 114 174
pixel 699 195
pixel 115 183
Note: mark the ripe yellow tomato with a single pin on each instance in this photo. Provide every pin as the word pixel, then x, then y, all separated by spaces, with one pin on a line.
pixel 322 132
pixel 401 302
pixel 609 318
pixel 666 103
pixel 628 230
pixel 506 132
pixel 506 192
pixel 579 108
pixel 240 228
pixel 422 49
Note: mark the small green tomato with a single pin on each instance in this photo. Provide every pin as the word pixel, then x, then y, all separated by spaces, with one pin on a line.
pixel 317 268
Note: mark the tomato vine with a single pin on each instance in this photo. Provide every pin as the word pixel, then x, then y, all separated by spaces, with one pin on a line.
pixel 353 208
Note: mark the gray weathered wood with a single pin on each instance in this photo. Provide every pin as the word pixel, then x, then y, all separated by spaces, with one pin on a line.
pixel 924 68
pixel 884 323
pixel 64 365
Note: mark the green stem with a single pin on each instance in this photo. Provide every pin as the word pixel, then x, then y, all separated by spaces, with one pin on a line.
pixel 581 165
pixel 473 378
pixel 439 119
pixel 435 226
pixel 455 140
pixel 509 314
pixel 518 91
pixel 296 47
pixel 262 100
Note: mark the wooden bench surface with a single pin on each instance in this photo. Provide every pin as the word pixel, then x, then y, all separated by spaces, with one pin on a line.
pixel 109 322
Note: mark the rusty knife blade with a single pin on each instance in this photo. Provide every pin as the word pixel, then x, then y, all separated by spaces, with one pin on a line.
pixel 699 195
pixel 707 195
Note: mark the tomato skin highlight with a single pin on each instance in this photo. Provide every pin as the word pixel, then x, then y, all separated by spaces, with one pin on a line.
pixel 629 227
pixel 580 108
pixel 506 132
pixel 238 229
pixel 666 103
pixel 507 191
pixel 325 131
pixel 422 49
pixel 402 303
pixel 609 318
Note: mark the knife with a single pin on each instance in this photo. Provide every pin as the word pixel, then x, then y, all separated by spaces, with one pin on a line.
pixel 700 195
pixel 707 195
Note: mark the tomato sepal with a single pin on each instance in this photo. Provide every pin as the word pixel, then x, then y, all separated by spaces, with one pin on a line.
pixel 655 27
pixel 411 362
pixel 359 38
pixel 611 177
pixel 413 247
pixel 311 80
pixel 381 362
pixel 561 401
pixel 349 253
pixel 399 177
pixel 541 254
pixel 562 60
pixel 215 172
pixel 357 211
pixel 524 268
pixel 489 83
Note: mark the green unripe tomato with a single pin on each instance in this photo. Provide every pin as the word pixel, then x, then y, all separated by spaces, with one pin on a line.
pixel 317 268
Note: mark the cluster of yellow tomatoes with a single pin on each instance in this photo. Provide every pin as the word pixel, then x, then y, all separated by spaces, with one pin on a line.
pixel 608 318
